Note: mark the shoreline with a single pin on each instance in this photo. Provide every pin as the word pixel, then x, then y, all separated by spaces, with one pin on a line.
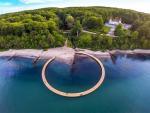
pixel 66 54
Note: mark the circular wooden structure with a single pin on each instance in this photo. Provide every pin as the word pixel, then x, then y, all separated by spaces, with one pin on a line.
pixel 78 94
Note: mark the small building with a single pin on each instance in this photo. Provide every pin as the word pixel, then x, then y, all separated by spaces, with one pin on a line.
pixel 113 23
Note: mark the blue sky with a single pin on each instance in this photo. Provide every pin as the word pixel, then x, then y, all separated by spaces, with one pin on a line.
pixel 19 5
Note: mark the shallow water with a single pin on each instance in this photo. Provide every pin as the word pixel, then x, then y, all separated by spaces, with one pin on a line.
pixel 126 88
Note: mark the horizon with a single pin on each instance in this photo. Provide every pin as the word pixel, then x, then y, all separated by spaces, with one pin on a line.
pixel 10 6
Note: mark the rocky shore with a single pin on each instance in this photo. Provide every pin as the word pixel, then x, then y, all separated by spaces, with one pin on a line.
pixel 65 54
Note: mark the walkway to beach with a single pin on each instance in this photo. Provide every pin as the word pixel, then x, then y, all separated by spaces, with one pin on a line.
pixel 65 94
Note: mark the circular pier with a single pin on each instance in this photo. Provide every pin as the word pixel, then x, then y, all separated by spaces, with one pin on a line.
pixel 78 94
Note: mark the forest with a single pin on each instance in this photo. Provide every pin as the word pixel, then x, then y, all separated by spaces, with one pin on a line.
pixel 51 27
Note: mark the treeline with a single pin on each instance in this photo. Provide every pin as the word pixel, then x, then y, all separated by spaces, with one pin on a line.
pixel 50 27
pixel 30 30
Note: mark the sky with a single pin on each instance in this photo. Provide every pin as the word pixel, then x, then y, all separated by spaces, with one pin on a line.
pixel 7 6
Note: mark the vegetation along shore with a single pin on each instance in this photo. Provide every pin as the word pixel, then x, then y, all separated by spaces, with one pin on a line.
pixel 83 27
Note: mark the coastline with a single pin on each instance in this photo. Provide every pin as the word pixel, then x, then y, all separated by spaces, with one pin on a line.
pixel 66 54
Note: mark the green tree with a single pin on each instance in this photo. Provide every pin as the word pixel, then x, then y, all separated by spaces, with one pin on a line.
pixel 119 31
pixel 84 41
pixel 93 22
pixel 144 30
pixel 70 21
pixel 51 26
pixel 101 42
pixel 77 29
pixel 38 18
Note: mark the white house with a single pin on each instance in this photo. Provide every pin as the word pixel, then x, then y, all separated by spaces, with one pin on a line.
pixel 112 23
pixel 115 21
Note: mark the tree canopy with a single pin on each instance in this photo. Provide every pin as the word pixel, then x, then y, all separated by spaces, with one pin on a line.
pixel 50 27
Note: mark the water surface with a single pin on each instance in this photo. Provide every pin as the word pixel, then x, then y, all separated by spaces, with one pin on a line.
pixel 126 88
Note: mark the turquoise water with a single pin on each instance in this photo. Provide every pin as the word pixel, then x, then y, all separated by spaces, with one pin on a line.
pixel 126 88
